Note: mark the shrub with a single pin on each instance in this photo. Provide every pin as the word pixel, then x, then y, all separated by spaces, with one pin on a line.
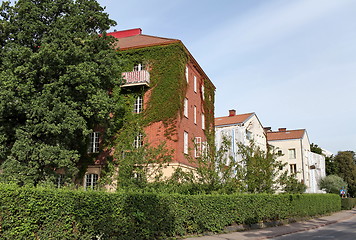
pixel 332 184
pixel 37 213
pixel 348 203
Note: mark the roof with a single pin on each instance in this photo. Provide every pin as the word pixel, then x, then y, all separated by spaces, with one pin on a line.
pixel 141 40
pixel 285 135
pixel 232 120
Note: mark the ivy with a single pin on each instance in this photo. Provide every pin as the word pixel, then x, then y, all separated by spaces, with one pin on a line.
pixel 168 85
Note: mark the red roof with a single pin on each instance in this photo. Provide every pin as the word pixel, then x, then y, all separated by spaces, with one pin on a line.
pixel 231 120
pixel 285 135
pixel 133 38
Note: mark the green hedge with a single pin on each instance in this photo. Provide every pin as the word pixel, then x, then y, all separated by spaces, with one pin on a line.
pixel 27 213
pixel 348 203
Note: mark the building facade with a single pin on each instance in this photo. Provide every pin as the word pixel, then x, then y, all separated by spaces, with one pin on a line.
pixel 293 146
pixel 172 93
pixel 239 129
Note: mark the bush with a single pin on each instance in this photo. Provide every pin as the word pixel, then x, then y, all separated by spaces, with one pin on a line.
pixel 332 184
pixel 348 203
pixel 28 213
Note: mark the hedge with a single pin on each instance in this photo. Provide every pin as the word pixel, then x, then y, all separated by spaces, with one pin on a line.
pixel 348 203
pixel 28 213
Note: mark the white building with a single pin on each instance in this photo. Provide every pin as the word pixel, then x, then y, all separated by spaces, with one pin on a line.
pixel 294 147
pixel 239 129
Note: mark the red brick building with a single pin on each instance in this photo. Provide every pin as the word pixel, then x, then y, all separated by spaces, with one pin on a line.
pixel 173 93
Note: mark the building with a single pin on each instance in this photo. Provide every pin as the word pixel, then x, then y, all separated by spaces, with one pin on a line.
pixel 293 146
pixel 172 93
pixel 240 129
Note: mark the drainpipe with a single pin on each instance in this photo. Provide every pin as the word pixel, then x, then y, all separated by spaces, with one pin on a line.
pixel 301 147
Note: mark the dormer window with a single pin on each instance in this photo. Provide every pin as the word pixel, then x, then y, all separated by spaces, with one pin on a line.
pixel 139 67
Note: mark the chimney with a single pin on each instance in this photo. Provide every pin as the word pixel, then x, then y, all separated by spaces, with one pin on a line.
pixel 267 129
pixel 126 33
pixel 232 112
pixel 282 129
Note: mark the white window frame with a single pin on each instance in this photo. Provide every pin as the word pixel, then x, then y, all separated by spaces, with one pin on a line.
pixel 138 106
pixel 195 84
pixel 292 153
pixel 203 121
pixel 197 147
pixel 138 141
pixel 187 73
pixel 195 114
pixel 91 180
pixel 185 143
pixel 93 142
pixel 186 104
pixel 203 92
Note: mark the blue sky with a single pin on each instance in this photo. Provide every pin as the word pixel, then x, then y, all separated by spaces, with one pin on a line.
pixel 292 62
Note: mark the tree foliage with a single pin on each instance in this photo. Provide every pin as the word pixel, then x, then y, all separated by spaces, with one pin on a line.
pixel 55 73
pixel 345 165
pixel 332 184
pixel 253 171
pixel 315 148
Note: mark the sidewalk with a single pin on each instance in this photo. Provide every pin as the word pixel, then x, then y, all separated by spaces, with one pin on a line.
pixel 272 232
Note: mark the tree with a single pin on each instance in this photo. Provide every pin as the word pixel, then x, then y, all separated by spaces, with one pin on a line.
pixel 316 149
pixel 136 163
pixel 332 184
pixel 56 73
pixel 346 169
pixel 262 172
pixel 330 166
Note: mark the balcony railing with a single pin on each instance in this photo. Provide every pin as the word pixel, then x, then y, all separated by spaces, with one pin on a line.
pixel 136 78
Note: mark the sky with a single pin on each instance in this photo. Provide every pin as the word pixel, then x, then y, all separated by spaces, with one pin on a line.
pixel 293 62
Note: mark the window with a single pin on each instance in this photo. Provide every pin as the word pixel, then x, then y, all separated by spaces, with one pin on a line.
pixel 203 121
pixel 93 142
pixel 204 148
pixel 91 180
pixel 197 146
pixel 186 107
pixel 203 92
pixel 195 114
pixel 138 141
pixel 195 84
pixel 138 106
pixel 293 168
pixel 139 67
pixel 248 135
pixel 185 142
pixel 291 153
pixel 187 73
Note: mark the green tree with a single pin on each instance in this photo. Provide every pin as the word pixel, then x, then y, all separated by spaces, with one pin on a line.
pixel 332 184
pixel 262 172
pixel 55 75
pixel 330 166
pixel 136 164
pixel 315 148
pixel 346 169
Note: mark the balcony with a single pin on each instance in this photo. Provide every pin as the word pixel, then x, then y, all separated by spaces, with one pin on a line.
pixel 136 78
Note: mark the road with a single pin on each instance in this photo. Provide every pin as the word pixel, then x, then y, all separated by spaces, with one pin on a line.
pixel 345 230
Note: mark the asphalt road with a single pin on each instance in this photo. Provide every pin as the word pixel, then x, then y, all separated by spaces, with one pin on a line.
pixel 345 230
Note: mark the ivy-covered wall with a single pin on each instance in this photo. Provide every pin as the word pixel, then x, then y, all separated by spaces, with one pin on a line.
pixel 168 85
